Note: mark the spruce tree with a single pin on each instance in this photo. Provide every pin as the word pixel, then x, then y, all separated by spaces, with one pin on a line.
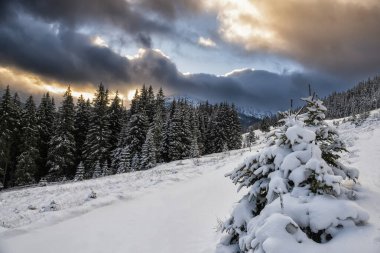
pixel 166 133
pixel 135 163
pixel 26 167
pixel 151 105
pixel 327 137
pixel 97 172
pixel 195 131
pixel 79 174
pixel 234 136
pixel 61 156
pixel 124 162
pixel 121 154
pixel 158 135
pixel 46 116
pixel 148 154
pixel 194 151
pixel 290 171
pixel 106 171
pixel 251 137
pixel 9 126
pixel 81 124
pixel 137 129
pixel 97 146
pixel 175 145
pixel 115 113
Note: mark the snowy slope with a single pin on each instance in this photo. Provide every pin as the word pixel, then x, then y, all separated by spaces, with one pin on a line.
pixel 171 208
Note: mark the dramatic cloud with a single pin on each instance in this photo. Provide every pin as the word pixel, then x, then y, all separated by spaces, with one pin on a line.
pixel 118 13
pixel 47 44
pixel 59 53
pixel 338 36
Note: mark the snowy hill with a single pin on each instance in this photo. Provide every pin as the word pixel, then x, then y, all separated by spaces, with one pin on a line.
pixel 171 208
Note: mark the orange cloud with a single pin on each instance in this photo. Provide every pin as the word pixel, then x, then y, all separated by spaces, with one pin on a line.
pixel 335 35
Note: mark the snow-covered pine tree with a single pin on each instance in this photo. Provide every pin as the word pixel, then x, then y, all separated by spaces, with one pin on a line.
pixel 26 167
pixel 106 170
pixel 148 154
pixel 124 164
pixel 97 170
pixel 313 205
pixel 151 105
pixel 61 155
pixel 81 124
pixel 135 163
pixel 134 103
pixel 157 128
pixel 251 137
pixel 196 141
pixel 9 129
pixel 327 137
pixel 194 152
pixel 225 148
pixel 121 156
pixel 234 137
pixel 179 133
pixel 97 146
pixel 79 174
pixel 158 125
pixel 166 132
pixel 137 128
pixel 46 116
pixel 116 118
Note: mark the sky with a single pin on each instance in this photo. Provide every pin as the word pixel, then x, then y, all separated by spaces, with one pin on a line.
pixel 255 53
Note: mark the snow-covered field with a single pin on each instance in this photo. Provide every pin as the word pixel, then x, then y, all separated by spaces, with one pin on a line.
pixel 171 208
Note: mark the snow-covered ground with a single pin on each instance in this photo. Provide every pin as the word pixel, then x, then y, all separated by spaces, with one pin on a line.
pixel 171 208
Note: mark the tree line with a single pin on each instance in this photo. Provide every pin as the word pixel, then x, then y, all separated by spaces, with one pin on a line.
pixel 89 139
pixel 362 98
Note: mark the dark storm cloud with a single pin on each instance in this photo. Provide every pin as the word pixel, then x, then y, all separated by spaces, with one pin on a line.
pixel 58 53
pixel 117 13
pixel 41 37
pixel 67 56
pixel 259 89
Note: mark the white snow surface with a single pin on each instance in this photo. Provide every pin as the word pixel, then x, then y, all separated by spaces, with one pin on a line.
pixel 171 208
pixel 174 207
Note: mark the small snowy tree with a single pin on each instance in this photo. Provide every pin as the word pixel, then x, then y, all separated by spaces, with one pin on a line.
pixel 79 174
pixel 327 137
pixel 225 148
pixel 135 163
pixel 294 194
pixel 97 170
pixel 251 137
pixel 106 171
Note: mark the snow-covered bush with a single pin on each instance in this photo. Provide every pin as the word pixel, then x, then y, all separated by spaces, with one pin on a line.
pixel 92 195
pixel 53 206
pixel 42 182
pixel 300 164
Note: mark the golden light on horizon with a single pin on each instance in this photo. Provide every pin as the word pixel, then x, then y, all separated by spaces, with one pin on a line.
pixel 61 90
pixel 131 94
